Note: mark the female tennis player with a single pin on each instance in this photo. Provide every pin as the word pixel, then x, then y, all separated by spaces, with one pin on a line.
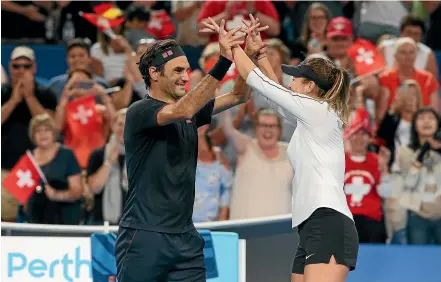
pixel 318 101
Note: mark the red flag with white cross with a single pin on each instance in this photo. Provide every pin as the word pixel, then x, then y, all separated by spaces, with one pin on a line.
pixel 84 128
pixel 24 178
pixel 366 57
pixel 81 116
pixel 160 25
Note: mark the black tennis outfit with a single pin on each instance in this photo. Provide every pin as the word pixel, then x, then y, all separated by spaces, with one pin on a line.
pixel 157 240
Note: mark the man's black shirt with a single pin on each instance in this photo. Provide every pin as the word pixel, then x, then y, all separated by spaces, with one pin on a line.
pixel 161 168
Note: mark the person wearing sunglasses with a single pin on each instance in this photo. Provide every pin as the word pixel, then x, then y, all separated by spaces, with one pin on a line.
pixel 22 98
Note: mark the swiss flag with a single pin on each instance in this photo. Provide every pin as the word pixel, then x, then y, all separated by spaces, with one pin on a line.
pixel 101 22
pixel 81 115
pixel 366 57
pixel 160 25
pixel 84 128
pixel 23 178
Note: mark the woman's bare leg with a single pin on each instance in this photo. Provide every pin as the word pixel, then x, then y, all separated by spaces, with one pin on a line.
pixel 297 277
pixel 322 272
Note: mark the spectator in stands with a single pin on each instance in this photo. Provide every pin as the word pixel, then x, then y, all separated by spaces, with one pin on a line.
pixel 366 181
pixel 340 37
pixel 413 27
pixel 420 165
pixel 213 181
pixel 83 143
pixel 433 8
pixel 160 24
pixel 78 57
pixel 188 36
pixel 233 12
pixel 139 87
pixel 381 17
pixel 268 191
pixel 26 18
pixel 277 54
pixel 137 18
pixel 405 56
pixel 394 129
pixel 313 38
pixel 60 203
pixel 22 98
pixel 242 121
pixel 4 76
pixel 109 55
pixel 107 175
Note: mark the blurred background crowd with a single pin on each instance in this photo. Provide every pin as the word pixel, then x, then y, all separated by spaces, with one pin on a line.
pixel 72 121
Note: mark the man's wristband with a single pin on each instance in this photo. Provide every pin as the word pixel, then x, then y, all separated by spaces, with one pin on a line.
pixel 221 68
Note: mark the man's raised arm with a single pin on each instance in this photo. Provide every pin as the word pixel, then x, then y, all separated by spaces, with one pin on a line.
pixel 205 90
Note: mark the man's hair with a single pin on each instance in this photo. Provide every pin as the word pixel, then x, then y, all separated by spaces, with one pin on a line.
pixel 147 58
pixel 80 43
pixel 412 20
pixel 135 11
pixel 338 96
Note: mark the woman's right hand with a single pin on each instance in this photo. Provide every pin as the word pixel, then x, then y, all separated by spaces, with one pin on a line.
pixel 254 43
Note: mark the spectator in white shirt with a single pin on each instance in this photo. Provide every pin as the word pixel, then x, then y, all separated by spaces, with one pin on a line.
pixel 413 27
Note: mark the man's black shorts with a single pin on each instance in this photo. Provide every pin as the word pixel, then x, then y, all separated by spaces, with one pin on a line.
pixel 324 234
pixel 145 256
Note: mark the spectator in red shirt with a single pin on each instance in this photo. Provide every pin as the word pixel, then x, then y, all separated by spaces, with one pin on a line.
pixel 405 56
pixel 235 11
pixel 365 184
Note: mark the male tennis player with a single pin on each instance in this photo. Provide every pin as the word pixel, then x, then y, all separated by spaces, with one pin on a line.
pixel 157 240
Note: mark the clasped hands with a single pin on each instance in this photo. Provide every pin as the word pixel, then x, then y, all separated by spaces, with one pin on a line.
pixel 228 40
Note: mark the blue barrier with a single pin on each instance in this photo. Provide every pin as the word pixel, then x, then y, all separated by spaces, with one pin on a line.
pixel 397 263
pixel 51 59
pixel 221 256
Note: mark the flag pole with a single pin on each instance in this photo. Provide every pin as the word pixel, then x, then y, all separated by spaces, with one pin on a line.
pixel 104 27
pixel 361 77
pixel 40 172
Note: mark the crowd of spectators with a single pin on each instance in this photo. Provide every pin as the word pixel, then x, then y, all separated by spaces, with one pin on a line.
pixel 74 125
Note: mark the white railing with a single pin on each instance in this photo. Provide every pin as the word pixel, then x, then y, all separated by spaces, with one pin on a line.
pixel 266 222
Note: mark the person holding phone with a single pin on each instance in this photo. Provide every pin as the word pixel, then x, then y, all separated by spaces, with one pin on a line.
pixel 416 211
pixel 81 85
